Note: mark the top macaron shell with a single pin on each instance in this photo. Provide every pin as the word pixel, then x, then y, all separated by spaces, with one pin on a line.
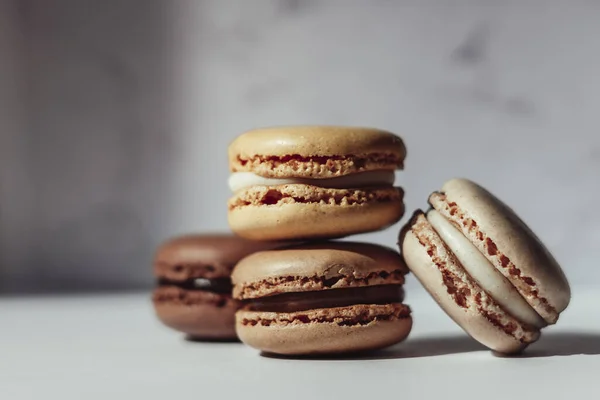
pixel 507 242
pixel 317 266
pixel 203 255
pixel 364 149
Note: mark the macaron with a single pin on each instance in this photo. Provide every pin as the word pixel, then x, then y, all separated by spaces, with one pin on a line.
pixel 308 182
pixel 193 295
pixel 484 266
pixel 321 298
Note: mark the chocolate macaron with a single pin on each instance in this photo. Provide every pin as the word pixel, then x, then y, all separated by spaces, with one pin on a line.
pixel 319 298
pixel 485 267
pixel 309 182
pixel 194 285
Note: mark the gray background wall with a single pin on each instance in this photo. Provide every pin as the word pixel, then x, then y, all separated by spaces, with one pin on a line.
pixel 115 116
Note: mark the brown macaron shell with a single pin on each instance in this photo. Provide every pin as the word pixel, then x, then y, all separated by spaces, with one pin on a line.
pixel 317 267
pixel 199 313
pixel 309 210
pixel 203 256
pixel 315 151
pixel 508 244
pixel 442 275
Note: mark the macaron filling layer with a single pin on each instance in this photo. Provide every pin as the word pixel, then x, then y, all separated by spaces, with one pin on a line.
pixel 302 301
pixel 243 180
pixel 483 272
pixel 214 285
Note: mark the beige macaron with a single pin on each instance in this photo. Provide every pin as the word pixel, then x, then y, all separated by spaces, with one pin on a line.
pixel 314 182
pixel 328 297
pixel 484 266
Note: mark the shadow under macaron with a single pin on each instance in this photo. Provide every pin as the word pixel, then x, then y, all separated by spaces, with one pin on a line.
pixel 417 348
pixel 200 339
pixel 561 344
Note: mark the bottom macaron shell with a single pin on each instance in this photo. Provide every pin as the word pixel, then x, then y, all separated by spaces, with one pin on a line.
pixel 199 319
pixel 484 322
pixel 329 217
pixel 325 331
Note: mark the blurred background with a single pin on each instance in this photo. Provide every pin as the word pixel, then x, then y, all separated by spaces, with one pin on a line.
pixel 115 116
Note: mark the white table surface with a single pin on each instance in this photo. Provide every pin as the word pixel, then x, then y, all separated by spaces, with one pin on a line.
pixel 111 347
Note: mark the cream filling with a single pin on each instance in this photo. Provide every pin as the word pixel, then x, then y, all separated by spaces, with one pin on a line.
pixel 483 272
pixel 242 180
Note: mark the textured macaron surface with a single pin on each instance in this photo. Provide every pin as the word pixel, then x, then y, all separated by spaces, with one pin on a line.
pixel 325 331
pixel 317 266
pixel 202 256
pixel 354 315
pixel 508 244
pixel 443 275
pixel 304 194
pixel 315 151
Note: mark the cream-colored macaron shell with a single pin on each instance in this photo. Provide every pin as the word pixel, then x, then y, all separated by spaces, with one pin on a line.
pixel 459 295
pixel 508 244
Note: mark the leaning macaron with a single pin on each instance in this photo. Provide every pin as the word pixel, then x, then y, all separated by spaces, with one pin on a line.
pixel 314 182
pixel 485 267
pixel 194 284
pixel 329 297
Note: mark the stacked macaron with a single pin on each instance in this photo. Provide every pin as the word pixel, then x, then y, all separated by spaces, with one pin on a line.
pixel 480 262
pixel 313 184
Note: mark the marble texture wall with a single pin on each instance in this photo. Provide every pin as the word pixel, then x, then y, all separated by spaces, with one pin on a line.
pixel 129 107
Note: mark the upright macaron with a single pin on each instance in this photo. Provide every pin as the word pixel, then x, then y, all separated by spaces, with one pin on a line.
pixel 484 266
pixel 328 297
pixel 193 273
pixel 309 182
